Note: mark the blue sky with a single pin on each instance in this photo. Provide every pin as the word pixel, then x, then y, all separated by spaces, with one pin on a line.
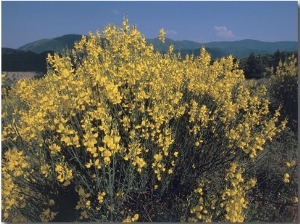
pixel 201 21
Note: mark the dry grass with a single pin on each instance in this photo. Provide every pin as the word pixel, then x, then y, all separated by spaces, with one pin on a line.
pixel 14 76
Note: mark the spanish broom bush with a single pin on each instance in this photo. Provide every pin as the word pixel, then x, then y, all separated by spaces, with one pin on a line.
pixel 117 131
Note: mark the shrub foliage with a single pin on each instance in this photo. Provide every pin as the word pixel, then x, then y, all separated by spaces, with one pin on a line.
pixel 119 132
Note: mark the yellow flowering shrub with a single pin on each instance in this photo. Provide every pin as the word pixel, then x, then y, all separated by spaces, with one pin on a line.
pixel 211 202
pixel 276 170
pixel 233 197
pixel 283 87
pixel 132 130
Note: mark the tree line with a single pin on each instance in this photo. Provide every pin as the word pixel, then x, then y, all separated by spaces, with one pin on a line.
pixel 263 65
pixel 14 60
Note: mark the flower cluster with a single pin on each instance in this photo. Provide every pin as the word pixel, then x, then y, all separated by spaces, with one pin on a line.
pixel 202 211
pixel 64 174
pixel 84 204
pixel 47 215
pixel 131 219
pixel 234 197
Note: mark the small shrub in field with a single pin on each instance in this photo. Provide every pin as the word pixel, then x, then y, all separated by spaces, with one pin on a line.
pixel 275 196
pixel 284 90
pixel 132 135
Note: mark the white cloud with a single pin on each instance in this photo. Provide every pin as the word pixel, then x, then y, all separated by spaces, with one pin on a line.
pixel 171 32
pixel 222 31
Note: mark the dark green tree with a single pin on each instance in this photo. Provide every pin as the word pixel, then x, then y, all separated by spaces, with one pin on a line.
pixel 253 67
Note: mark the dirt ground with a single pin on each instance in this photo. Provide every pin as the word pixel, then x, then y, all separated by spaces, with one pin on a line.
pixel 14 76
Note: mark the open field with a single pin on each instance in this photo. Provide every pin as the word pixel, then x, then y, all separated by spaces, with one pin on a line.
pixel 14 76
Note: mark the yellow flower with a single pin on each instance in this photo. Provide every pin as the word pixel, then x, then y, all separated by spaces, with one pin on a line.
pixel 291 164
pixel 51 202
pixel 106 160
pixel 286 177
pixel 199 191
pixel 54 148
pixel 128 219
pixel 66 139
pixel 101 197
pixel 120 194
pixel 158 157
pixel 107 153
pixel 176 154
pixel 161 36
pixel 171 48
pixel 89 164
pixel 45 170
pixel 135 217
pixel 64 175
pixel 47 215
pixel 88 203
pixel 295 199
pixel 97 163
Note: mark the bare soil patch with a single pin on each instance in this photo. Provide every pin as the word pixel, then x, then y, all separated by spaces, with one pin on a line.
pixel 15 76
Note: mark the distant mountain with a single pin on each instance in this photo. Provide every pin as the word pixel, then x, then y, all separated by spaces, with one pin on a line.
pixel 55 44
pixel 241 48
pixel 178 45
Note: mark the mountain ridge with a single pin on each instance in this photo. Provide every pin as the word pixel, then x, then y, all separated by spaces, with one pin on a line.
pixel 52 44
pixel 32 56
pixel 239 48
